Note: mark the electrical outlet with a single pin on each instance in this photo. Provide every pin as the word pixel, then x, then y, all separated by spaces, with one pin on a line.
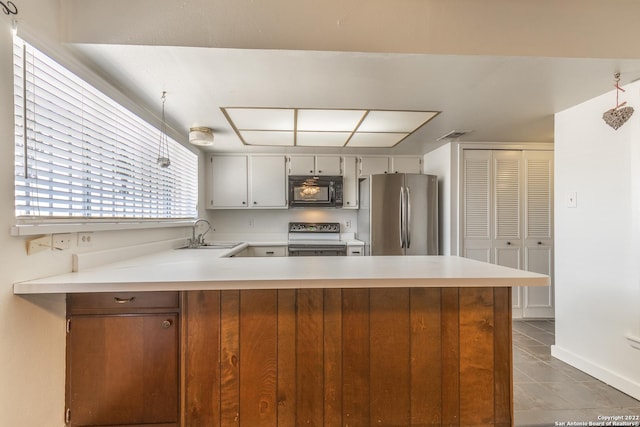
pixel 38 244
pixel 61 241
pixel 85 240
pixel 348 224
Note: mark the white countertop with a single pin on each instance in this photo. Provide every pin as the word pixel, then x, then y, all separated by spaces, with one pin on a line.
pixel 197 269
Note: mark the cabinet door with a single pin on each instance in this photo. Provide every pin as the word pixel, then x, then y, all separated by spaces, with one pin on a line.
pixel 538 242
pixel 406 164
pixel 302 165
pixel 350 184
pixel 228 182
pixel 476 205
pixel 123 370
pixel 268 182
pixel 373 166
pixel 329 165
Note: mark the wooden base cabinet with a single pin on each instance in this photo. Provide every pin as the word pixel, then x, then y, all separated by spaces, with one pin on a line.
pixel 356 357
pixel 123 359
pixel 294 357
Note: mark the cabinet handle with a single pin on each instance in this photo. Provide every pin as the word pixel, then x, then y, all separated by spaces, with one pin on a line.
pixel 269 252
pixel 319 171
pixel 508 243
pixel 244 203
pixel 310 171
pixel 255 203
pixel 124 300
pixel 166 324
pixel 539 243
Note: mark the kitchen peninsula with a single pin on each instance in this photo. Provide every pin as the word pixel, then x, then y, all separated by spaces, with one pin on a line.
pixel 357 341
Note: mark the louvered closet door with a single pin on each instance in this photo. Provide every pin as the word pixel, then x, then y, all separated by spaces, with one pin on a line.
pixel 538 242
pixel 508 213
pixel 476 205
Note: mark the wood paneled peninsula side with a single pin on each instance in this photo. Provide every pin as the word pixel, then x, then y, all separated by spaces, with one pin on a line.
pixel 353 341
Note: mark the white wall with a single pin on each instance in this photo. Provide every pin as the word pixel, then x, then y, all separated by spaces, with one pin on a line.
pixel 32 329
pixel 597 257
pixel 438 162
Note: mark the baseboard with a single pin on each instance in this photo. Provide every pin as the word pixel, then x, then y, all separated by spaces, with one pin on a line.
pixel 614 380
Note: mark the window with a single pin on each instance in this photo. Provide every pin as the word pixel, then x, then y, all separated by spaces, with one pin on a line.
pixel 80 154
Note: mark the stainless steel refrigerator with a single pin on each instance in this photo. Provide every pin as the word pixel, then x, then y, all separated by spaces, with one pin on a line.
pixel 399 214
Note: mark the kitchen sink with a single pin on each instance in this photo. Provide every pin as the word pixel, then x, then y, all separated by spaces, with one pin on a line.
pixel 214 246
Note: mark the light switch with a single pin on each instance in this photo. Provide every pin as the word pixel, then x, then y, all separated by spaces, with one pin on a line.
pixel 572 199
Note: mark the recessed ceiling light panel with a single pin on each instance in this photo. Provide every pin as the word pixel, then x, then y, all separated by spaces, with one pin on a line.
pixel 322 139
pixel 262 118
pixel 329 120
pixel 276 138
pixel 378 140
pixel 395 121
pixel 318 127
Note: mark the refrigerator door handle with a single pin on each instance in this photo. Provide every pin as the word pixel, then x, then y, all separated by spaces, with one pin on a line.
pixel 402 214
pixel 408 217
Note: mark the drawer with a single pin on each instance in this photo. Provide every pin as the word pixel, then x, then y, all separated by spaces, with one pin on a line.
pixel 119 302
pixel 269 251
pixel 355 250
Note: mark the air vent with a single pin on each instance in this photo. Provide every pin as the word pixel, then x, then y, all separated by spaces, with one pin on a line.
pixel 454 134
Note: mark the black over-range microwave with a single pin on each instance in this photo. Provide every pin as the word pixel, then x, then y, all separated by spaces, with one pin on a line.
pixel 315 191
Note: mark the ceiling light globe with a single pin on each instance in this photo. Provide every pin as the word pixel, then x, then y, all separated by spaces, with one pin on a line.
pixel 201 136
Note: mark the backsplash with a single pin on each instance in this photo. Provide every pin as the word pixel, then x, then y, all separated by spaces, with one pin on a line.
pixel 276 221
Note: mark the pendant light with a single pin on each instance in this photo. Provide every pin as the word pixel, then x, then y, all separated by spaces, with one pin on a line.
pixel 163 146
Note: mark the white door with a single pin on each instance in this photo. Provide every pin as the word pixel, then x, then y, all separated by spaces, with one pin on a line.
pixel 329 165
pixel 350 184
pixel 373 166
pixel 507 215
pixel 228 182
pixel 507 218
pixel 406 164
pixel 476 205
pixel 302 165
pixel 268 182
pixel 538 241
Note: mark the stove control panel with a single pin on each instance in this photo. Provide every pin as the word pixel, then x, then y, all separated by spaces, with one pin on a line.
pixel 314 227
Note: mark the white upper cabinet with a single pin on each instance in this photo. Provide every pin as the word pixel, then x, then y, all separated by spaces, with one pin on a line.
pixel 227 182
pixel 302 165
pixel 373 165
pixel 315 165
pixel 350 184
pixel 411 164
pixel 247 181
pixel 268 182
pixel 329 165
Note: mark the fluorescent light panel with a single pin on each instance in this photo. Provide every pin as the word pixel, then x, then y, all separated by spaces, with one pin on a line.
pixel 313 127
pixel 256 137
pixel 329 120
pixel 322 139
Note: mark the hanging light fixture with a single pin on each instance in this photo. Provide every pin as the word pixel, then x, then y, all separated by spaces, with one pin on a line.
pixel 163 146
pixel 201 136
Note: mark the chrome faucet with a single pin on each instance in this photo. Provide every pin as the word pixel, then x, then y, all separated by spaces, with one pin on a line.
pixel 194 242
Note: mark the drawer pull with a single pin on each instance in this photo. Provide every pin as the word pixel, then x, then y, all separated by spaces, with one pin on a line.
pixel 166 324
pixel 124 300
pixel 270 252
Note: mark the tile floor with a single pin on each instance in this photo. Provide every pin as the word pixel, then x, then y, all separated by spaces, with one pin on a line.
pixel 547 390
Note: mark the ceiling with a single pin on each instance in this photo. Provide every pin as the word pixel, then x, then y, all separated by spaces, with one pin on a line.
pixel 502 97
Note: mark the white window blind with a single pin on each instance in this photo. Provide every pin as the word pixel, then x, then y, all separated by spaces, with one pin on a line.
pixel 80 154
